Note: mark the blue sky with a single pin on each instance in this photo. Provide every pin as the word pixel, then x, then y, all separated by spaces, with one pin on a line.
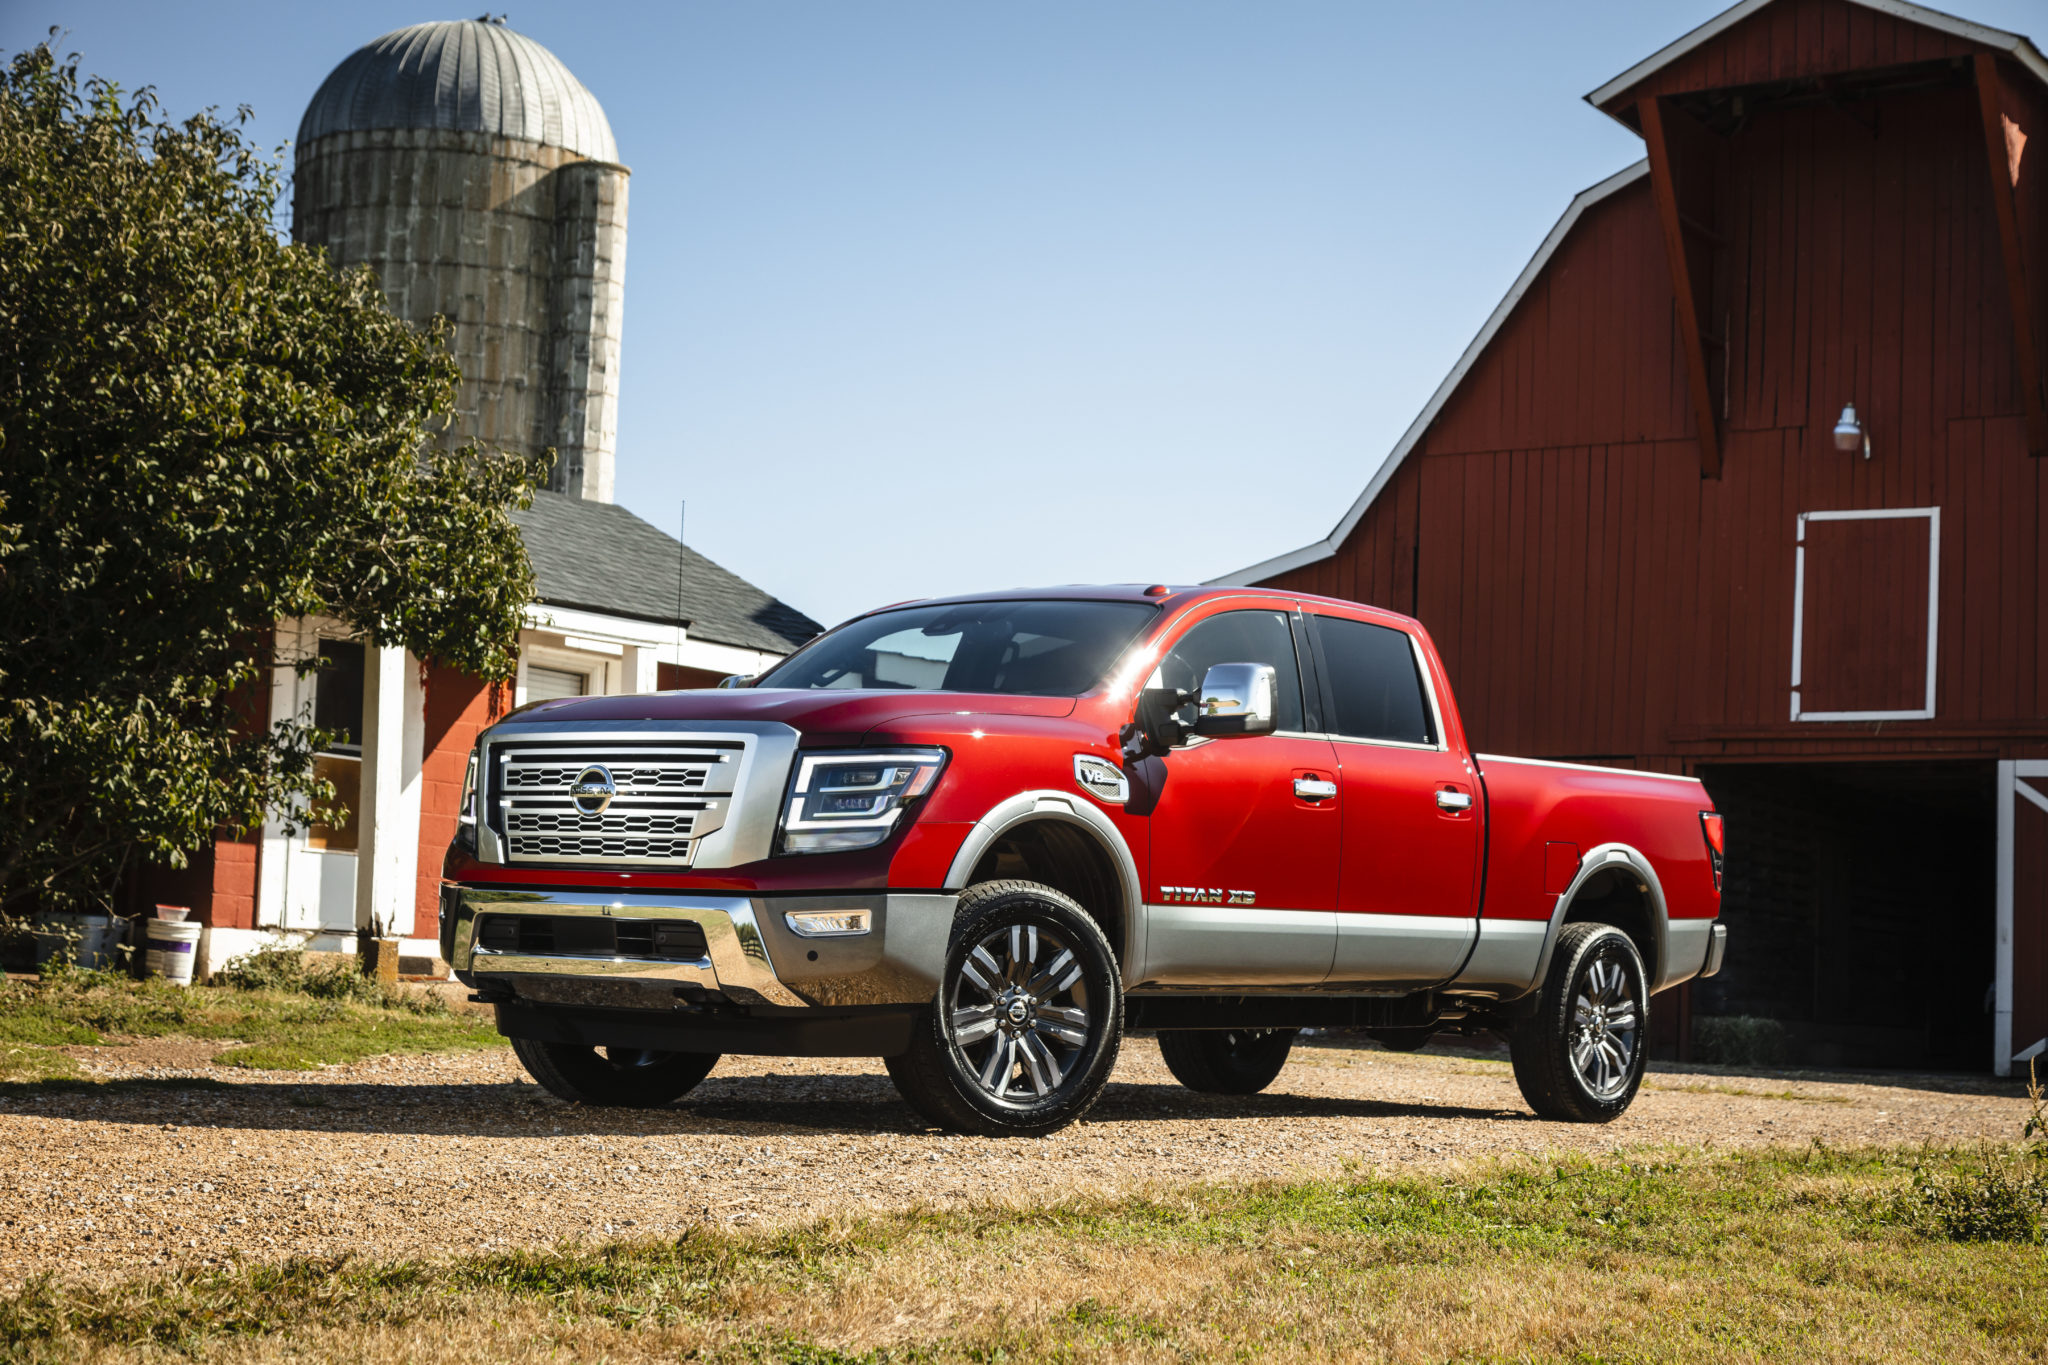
pixel 930 297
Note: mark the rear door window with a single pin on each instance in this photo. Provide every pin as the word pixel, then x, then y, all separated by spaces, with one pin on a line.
pixel 1370 677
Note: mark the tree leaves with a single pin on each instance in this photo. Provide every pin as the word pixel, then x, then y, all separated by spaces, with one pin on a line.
pixel 203 430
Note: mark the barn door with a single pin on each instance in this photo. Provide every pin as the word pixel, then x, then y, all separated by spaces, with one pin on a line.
pixel 1865 607
pixel 2020 1024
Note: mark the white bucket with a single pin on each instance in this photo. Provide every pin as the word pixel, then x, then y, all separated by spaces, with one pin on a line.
pixel 173 947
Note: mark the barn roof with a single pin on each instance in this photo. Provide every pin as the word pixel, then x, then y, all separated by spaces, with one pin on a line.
pixel 2014 45
pixel 1324 548
pixel 597 556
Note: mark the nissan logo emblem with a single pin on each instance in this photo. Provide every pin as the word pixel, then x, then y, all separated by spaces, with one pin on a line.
pixel 593 790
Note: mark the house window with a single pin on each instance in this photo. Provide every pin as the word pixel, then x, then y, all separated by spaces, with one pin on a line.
pixel 338 694
pixel 1866 597
pixel 547 684
pixel 338 708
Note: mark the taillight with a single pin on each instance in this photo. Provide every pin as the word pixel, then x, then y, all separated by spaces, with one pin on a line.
pixel 1710 826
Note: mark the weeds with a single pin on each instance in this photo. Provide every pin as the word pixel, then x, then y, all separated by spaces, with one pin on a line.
pixel 1738 1040
pixel 2034 1132
pixel 1997 1199
pixel 279 1014
pixel 288 971
pixel 2001 1196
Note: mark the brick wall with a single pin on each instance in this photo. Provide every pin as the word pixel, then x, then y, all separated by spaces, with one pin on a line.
pixel 458 707
pixel 218 883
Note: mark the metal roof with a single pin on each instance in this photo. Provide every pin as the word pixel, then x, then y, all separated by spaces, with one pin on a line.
pixel 465 75
pixel 2015 45
pixel 599 557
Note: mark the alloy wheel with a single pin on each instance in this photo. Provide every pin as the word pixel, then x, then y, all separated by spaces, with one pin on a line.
pixel 1019 1013
pixel 1605 1027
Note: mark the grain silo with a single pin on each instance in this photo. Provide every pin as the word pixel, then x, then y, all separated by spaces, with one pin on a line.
pixel 479 178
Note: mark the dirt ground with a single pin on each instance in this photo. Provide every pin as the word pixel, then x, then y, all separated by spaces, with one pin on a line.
pixel 451 1153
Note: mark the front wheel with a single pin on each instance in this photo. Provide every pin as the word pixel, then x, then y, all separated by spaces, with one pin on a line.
pixel 1231 1061
pixel 1580 1057
pixel 1028 1019
pixel 617 1077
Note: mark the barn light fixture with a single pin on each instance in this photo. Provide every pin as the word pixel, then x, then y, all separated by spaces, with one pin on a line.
pixel 1849 433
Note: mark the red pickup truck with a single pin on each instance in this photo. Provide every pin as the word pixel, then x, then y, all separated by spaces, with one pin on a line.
pixel 982 837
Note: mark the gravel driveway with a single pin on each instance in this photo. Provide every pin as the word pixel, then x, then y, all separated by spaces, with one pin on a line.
pixel 423 1156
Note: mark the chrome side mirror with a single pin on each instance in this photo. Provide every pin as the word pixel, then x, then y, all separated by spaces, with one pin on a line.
pixel 1236 699
pixel 737 680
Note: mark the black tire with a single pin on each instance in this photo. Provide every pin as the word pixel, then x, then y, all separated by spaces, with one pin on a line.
pixel 616 1077
pixel 1226 1061
pixel 1020 1039
pixel 1579 1058
pixel 1401 1039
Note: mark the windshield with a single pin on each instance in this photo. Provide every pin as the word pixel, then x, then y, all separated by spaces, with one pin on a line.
pixel 1032 649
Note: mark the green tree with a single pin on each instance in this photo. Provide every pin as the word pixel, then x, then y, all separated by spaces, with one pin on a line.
pixel 203 430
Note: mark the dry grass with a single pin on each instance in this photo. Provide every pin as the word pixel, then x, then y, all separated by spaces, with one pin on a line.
pixel 1794 1096
pixel 277 1013
pixel 1768 1255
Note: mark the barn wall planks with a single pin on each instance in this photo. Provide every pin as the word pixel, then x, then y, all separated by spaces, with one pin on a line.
pixel 1863 623
pixel 1592 595
pixel 1572 365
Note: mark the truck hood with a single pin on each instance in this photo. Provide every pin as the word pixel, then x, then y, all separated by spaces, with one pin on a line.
pixel 818 712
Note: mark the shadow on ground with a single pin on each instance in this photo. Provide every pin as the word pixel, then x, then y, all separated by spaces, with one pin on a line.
pixel 740 1104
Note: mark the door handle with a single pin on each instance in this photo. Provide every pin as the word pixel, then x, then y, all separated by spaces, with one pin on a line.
pixel 1314 789
pixel 1454 801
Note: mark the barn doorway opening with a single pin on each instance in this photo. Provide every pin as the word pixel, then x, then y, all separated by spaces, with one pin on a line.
pixel 1861 904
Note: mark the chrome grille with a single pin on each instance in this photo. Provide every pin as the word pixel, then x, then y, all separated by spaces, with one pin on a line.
pixel 552 848
pixel 519 822
pixel 650 778
pixel 669 794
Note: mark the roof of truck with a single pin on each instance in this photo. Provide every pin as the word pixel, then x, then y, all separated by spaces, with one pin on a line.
pixel 1162 594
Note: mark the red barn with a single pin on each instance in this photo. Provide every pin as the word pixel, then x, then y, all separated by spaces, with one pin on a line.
pixel 1744 478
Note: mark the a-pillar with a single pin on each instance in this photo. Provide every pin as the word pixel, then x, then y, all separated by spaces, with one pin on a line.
pixel 388 838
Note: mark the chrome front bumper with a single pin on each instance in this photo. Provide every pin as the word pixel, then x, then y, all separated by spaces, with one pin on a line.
pixel 752 958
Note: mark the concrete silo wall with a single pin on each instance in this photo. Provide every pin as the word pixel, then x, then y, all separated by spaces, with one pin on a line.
pixel 588 300
pixel 520 245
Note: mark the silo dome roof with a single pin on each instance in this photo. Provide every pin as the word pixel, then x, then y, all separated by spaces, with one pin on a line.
pixel 468 75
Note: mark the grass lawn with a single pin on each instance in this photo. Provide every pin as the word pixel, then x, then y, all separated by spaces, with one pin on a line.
pixel 280 1013
pixel 1869 1255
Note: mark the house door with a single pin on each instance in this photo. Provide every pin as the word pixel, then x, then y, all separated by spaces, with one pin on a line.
pixel 2020 1019
pixel 317 888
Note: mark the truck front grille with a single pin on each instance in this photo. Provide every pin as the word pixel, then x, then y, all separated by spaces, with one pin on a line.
pixel 668 794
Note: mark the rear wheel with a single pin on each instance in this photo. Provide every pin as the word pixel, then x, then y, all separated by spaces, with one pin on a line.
pixel 1226 1061
pixel 1580 1057
pixel 1028 1019
pixel 619 1077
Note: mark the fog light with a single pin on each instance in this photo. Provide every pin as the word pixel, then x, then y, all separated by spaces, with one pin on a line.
pixel 826 923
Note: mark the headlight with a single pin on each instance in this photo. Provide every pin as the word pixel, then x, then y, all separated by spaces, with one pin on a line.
pixel 465 819
pixel 841 800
